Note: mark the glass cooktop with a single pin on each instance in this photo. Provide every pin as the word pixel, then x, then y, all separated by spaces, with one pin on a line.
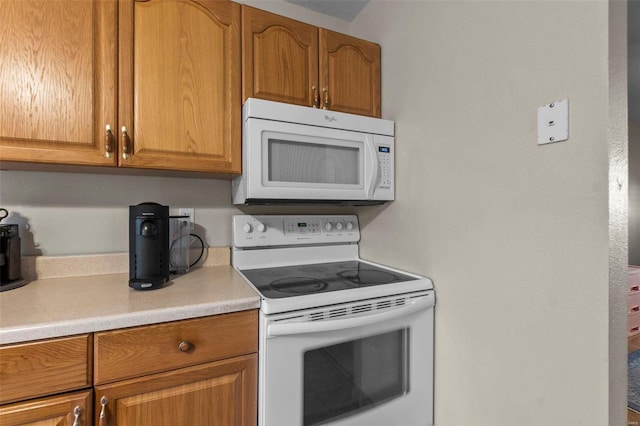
pixel 290 281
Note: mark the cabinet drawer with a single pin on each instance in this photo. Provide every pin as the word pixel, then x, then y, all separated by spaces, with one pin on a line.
pixel 149 349
pixel 41 368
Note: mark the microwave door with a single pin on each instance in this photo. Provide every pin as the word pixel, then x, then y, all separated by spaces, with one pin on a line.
pixel 313 163
pixel 301 163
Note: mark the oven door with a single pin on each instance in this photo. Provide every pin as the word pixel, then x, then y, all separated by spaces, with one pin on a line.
pixel 349 368
pixel 286 161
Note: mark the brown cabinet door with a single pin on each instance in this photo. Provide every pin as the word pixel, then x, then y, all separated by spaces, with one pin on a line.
pixel 222 393
pixel 350 70
pixel 58 410
pixel 57 80
pixel 179 93
pixel 279 58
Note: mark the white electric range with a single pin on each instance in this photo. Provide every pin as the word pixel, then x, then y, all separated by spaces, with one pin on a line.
pixel 343 341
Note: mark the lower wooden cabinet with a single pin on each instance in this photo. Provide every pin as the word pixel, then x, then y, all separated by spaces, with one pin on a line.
pixel 61 410
pixel 196 372
pixel 222 393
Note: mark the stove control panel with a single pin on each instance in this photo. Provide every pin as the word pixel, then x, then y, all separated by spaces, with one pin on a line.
pixel 302 227
pixel 277 230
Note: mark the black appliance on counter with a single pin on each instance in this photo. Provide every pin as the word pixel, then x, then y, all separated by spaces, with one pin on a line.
pixel 10 269
pixel 148 246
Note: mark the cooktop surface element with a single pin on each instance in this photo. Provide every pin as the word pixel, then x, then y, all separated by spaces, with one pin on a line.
pixel 291 281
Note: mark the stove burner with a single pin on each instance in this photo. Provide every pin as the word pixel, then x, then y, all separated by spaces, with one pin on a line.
pixel 368 276
pixel 298 285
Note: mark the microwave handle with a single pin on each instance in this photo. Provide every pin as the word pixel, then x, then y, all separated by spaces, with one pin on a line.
pixel 372 160
pixel 304 327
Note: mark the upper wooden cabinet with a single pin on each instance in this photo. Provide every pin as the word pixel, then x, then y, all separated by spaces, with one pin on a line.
pixel 280 57
pixel 174 105
pixel 57 80
pixel 288 61
pixel 350 69
pixel 179 93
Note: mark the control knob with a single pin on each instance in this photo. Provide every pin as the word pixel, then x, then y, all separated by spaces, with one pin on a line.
pixel 328 226
pixel 349 226
pixel 247 228
pixel 339 226
pixel 261 227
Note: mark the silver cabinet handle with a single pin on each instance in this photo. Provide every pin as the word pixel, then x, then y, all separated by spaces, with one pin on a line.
pixel 103 412
pixel 76 413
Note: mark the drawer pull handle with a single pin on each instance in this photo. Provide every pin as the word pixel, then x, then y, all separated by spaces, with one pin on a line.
pixel 103 412
pixel 185 346
pixel 76 413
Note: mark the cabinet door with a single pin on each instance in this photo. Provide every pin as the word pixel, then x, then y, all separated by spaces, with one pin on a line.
pixel 350 69
pixel 222 393
pixel 59 410
pixel 57 80
pixel 279 58
pixel 179 93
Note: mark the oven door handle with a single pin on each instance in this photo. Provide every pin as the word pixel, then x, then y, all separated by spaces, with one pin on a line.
pixel 304 327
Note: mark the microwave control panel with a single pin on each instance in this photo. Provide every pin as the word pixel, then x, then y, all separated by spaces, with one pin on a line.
pixel 384 188
pixel 385 170
pixel 275 230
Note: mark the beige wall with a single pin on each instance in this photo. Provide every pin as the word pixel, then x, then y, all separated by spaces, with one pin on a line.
pixel 514 235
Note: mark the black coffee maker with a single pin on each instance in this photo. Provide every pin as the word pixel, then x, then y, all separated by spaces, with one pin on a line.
pixel 10 268
pixel 148 246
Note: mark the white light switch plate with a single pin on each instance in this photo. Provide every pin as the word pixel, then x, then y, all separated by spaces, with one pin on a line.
pixel 553 122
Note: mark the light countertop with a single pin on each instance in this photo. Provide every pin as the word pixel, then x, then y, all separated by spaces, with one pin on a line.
pixel 55 307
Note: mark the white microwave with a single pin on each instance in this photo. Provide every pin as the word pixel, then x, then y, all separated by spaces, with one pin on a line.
pixel 300 155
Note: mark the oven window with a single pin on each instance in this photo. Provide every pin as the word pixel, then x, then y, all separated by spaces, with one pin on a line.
pixel 344 379
pixel 291 161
